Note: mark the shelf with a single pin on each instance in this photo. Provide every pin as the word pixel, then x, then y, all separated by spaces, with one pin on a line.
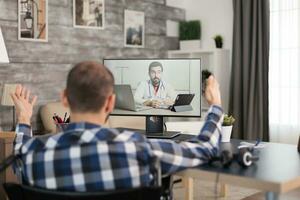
pixel 194 51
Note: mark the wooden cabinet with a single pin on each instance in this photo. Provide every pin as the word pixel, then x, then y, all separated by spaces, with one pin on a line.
pixel 6 148
pixel 218 62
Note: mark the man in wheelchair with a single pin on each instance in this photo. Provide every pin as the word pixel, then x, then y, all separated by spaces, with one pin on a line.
pixel 89 157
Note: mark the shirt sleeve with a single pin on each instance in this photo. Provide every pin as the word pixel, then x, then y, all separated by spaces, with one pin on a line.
pixel 175 157
pixel 23 134
pixel 139 93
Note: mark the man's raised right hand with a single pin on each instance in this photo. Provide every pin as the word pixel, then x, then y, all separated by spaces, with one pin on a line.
pixel 212 91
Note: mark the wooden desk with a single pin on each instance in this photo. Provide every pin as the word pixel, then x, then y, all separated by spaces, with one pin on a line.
pixel 6 148
pixel 276 172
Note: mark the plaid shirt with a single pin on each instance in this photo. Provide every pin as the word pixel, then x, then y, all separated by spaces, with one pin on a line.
pixel 88 157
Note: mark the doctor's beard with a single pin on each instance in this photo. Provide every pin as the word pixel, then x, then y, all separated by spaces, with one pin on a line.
pixel 155 81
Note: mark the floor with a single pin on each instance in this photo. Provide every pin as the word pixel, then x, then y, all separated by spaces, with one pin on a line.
pixel 204 190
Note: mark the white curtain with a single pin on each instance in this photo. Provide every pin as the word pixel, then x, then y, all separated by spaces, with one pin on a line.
pixel 284 72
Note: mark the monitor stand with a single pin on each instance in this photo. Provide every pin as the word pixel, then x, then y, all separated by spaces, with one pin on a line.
pixel 155 128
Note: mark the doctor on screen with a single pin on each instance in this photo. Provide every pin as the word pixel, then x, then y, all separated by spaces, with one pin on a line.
pixel 155 92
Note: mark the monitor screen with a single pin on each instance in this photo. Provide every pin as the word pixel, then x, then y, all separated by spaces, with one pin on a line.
pixel 157 87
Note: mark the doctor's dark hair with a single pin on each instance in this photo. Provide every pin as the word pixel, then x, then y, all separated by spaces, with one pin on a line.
pixel 88 86
pixel 156 64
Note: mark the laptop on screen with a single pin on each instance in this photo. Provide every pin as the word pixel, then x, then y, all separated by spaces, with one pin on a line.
pixel 125 99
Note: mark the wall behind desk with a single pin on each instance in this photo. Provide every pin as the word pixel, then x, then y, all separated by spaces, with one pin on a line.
pixel 43 67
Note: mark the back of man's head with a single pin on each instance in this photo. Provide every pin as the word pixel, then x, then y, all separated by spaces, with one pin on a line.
pixel 89 84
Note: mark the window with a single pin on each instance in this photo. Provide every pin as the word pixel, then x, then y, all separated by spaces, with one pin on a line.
pixel 284 72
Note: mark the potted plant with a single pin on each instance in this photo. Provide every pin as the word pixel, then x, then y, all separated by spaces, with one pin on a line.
pixel 219 41
pixel 227 128
pixel 189 34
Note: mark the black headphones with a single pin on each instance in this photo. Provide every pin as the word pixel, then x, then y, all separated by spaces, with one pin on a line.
pixel 244 157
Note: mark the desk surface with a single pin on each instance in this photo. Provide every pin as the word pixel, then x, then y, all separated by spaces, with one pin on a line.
pixel 164 112
pixel 278 170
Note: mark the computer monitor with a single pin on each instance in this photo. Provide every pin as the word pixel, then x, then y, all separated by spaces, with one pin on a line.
pixel 156 88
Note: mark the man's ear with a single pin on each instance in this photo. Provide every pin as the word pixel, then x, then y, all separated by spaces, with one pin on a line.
pixel 110 103
pixel 64 99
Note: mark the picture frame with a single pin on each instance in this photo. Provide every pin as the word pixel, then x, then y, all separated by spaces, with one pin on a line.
pixel 134 29
pixel 33 20
pixel 89 14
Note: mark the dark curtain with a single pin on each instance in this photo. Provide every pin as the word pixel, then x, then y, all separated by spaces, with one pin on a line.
pixel 249 101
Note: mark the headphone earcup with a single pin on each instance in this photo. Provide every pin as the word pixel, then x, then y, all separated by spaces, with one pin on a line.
pixel 245 157
pixel 226 158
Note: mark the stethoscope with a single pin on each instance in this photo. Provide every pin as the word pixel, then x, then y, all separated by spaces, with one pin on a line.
pixel 162 86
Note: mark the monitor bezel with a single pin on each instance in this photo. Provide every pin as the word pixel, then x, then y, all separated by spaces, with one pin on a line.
pixel 146 115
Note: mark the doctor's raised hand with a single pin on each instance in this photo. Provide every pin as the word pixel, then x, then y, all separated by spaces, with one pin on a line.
pixel 24 103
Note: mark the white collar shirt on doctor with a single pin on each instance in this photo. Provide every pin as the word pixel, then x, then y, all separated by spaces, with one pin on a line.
pixel 146 91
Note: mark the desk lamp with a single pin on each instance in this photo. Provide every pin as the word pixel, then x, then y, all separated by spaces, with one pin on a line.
pixel 3 52
pixel 6 99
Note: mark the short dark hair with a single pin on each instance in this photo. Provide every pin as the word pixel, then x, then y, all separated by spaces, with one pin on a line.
pixel 156 64
pixel 88 86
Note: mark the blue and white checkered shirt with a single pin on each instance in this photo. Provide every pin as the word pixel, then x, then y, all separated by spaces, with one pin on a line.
pixel 88 157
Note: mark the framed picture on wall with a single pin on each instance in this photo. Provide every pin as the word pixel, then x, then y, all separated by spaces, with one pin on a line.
pixel 88 14
pixel 33 20
pixel 134 26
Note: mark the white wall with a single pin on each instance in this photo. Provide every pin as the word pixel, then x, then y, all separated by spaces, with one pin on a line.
pixel 216 17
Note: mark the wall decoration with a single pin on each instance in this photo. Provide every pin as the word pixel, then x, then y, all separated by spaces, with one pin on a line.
pixel 134 26
pixel 33 20
pixel 88 14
